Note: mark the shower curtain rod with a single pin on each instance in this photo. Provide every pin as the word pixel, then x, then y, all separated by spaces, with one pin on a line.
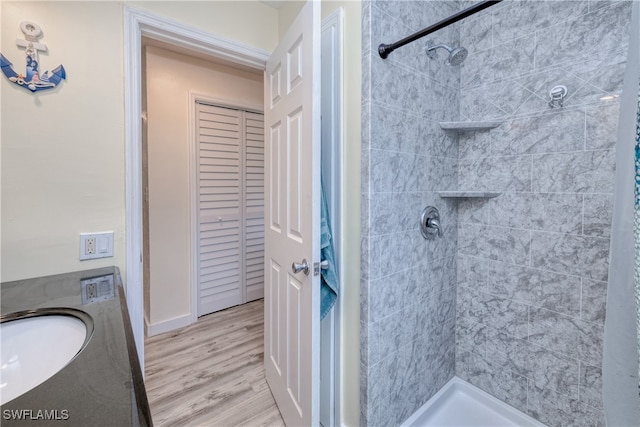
pixel 385 49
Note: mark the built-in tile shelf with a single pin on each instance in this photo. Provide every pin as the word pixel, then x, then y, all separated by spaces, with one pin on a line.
pixel 469 126
pixel 467 194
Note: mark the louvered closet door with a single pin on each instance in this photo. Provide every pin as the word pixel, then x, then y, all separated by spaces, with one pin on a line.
pixel 220 209
pixel 230 206
pixel 254 208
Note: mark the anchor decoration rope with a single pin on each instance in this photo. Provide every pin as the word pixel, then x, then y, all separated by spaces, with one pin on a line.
pixel 32 79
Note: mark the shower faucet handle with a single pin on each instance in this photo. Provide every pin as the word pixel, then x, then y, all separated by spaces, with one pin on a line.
pixel 434 224
pixel 430 225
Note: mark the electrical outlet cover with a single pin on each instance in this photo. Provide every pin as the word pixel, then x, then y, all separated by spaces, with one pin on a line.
pixel 96 245
pixel 89 245
pixel 97 289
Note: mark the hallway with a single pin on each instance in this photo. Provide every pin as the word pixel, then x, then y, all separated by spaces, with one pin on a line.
pixel 211 373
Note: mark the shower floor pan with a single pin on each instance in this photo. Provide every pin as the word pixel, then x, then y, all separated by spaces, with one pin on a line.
pixel 461 404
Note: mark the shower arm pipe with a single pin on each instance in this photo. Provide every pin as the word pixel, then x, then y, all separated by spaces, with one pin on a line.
pixel 385 49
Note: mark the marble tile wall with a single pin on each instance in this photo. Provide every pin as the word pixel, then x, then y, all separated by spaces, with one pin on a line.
pixel 532 263
pixel 408 289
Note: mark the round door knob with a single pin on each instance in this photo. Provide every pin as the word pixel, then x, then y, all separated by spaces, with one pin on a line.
pixel 303 266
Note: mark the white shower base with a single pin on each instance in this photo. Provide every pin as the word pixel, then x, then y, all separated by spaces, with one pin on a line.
pixel 461 404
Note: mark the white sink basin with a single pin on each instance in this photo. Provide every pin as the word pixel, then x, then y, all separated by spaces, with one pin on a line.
pixel 36 346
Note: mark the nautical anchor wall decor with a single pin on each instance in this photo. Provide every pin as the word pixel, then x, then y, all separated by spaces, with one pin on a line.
pixel 32 79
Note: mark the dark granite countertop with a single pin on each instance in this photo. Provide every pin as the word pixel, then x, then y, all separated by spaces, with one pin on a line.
pixel 103 384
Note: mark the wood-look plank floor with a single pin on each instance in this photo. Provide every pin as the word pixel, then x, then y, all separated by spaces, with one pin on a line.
pixel 211 373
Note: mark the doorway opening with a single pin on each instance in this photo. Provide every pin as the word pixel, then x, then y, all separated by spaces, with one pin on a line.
pixel 141 23
pixel 202 176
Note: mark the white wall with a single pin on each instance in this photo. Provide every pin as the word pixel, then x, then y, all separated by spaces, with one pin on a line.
pixel 62 165
pixel 286 14
pixel 170 77
pixel 63 150
pixel 249 22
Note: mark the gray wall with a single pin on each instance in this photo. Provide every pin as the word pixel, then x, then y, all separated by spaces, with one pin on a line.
pixel 529 267
pixel 533 262
pixel 408 283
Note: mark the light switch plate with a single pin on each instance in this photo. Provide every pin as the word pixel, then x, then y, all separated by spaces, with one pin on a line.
pixel 96 245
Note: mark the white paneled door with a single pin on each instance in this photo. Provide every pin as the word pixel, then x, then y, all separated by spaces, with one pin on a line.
pixel 292 219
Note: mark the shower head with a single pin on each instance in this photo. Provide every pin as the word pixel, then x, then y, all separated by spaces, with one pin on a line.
pixel 456 56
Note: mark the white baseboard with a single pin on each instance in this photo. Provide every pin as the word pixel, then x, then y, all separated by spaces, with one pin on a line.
pixel 167 325
pixel 146 325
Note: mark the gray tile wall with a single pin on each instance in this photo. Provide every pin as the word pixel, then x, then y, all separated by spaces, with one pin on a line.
pixel 533 262
pixel 408 294
pixel 512 299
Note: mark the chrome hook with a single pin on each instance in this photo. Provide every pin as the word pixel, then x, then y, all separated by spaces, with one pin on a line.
pixel 557 95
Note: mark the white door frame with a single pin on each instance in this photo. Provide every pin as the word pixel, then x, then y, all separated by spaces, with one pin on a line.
pixel 139 23
pixel 332 167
